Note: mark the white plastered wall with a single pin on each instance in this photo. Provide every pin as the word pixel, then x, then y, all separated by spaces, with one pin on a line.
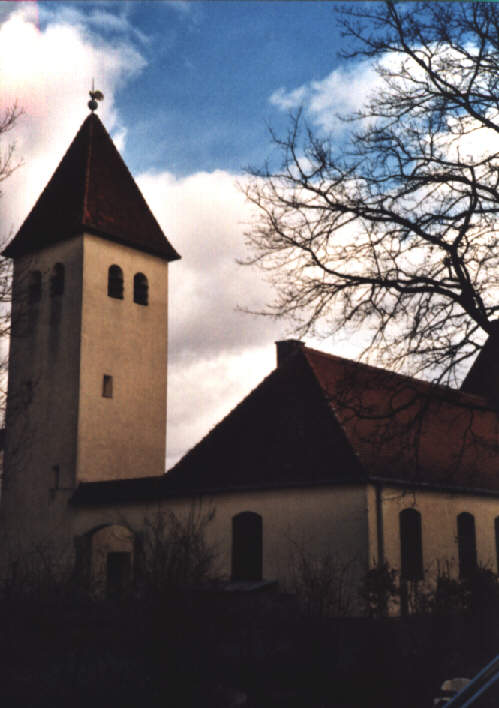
pixel 316 521
pixel 40 452
pixel 63 346
pixel 439 511
pixel 123 436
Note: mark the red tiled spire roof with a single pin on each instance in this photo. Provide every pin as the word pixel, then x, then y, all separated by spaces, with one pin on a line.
pixel 92 191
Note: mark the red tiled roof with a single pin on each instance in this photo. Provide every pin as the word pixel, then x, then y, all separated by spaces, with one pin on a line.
pixel 410 430
pixel 321 419
pixel 91 190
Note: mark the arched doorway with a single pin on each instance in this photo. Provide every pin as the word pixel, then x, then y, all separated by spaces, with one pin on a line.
pixel 111 560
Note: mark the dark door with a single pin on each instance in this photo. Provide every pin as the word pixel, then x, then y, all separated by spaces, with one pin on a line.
pixel 247 546
pixel 119 573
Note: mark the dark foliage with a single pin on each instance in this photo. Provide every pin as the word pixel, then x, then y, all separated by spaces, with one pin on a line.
pixel 210 648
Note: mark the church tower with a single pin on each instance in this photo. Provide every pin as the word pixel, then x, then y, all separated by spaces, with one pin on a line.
pixel 88 356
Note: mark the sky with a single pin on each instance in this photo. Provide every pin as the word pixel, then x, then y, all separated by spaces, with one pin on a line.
pixel 190 89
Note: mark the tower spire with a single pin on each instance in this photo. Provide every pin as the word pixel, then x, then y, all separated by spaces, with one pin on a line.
pixel 91 191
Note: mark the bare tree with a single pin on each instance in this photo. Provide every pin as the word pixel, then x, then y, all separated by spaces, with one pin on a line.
pixel 395 227
pixel 8 119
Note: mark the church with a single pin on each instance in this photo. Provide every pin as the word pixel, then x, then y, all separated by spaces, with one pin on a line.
pixel 325 458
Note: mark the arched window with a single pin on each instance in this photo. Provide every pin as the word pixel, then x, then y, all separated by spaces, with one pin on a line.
pixel 35 287
pixel 115 282
pixel 247 546
pixel 466 539
pixel 411 545
pixel 140 289
pixel 57 280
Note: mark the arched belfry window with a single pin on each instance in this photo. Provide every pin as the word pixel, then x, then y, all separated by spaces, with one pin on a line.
pixel 411 545
pixel 247 546
pixel 57 280
pixel 466 539
pixel 115 282
pixel 140 289
pixel 35 287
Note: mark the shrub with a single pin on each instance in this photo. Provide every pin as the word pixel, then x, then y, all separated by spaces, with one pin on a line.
pixel 322 583
pixel 174 551
pixel 379 590
pixel 476 593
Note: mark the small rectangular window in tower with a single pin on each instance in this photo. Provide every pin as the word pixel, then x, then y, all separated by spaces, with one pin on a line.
pixel 107 386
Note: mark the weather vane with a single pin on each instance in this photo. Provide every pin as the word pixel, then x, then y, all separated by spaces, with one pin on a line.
pixel 94 97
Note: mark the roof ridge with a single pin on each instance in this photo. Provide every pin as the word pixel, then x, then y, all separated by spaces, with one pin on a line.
pixel 228 414
pixel 331 408
pixel 396 374
pixel 87 168
pixel 132 179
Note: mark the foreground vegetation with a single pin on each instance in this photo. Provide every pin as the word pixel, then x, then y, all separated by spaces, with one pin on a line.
pixel 202 645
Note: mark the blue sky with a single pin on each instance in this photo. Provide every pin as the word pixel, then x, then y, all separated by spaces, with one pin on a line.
pixel 190 89
pixel 201 101
pixel 208 89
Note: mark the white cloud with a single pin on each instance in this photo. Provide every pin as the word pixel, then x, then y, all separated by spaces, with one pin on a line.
pixel 202 391
pixel 184 7
pixel 119 138
pixel 288 100
pixel 205 215
pixel 48 73
pixel 216 353
pixel 92 23
pixel 343 91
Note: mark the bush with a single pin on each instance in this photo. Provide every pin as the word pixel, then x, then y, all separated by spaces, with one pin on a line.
pixel 477 593
pixel 322 583
pixel 379 590
pixel 175 553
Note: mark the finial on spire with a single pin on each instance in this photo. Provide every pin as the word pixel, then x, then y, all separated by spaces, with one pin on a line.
pixel 94 97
